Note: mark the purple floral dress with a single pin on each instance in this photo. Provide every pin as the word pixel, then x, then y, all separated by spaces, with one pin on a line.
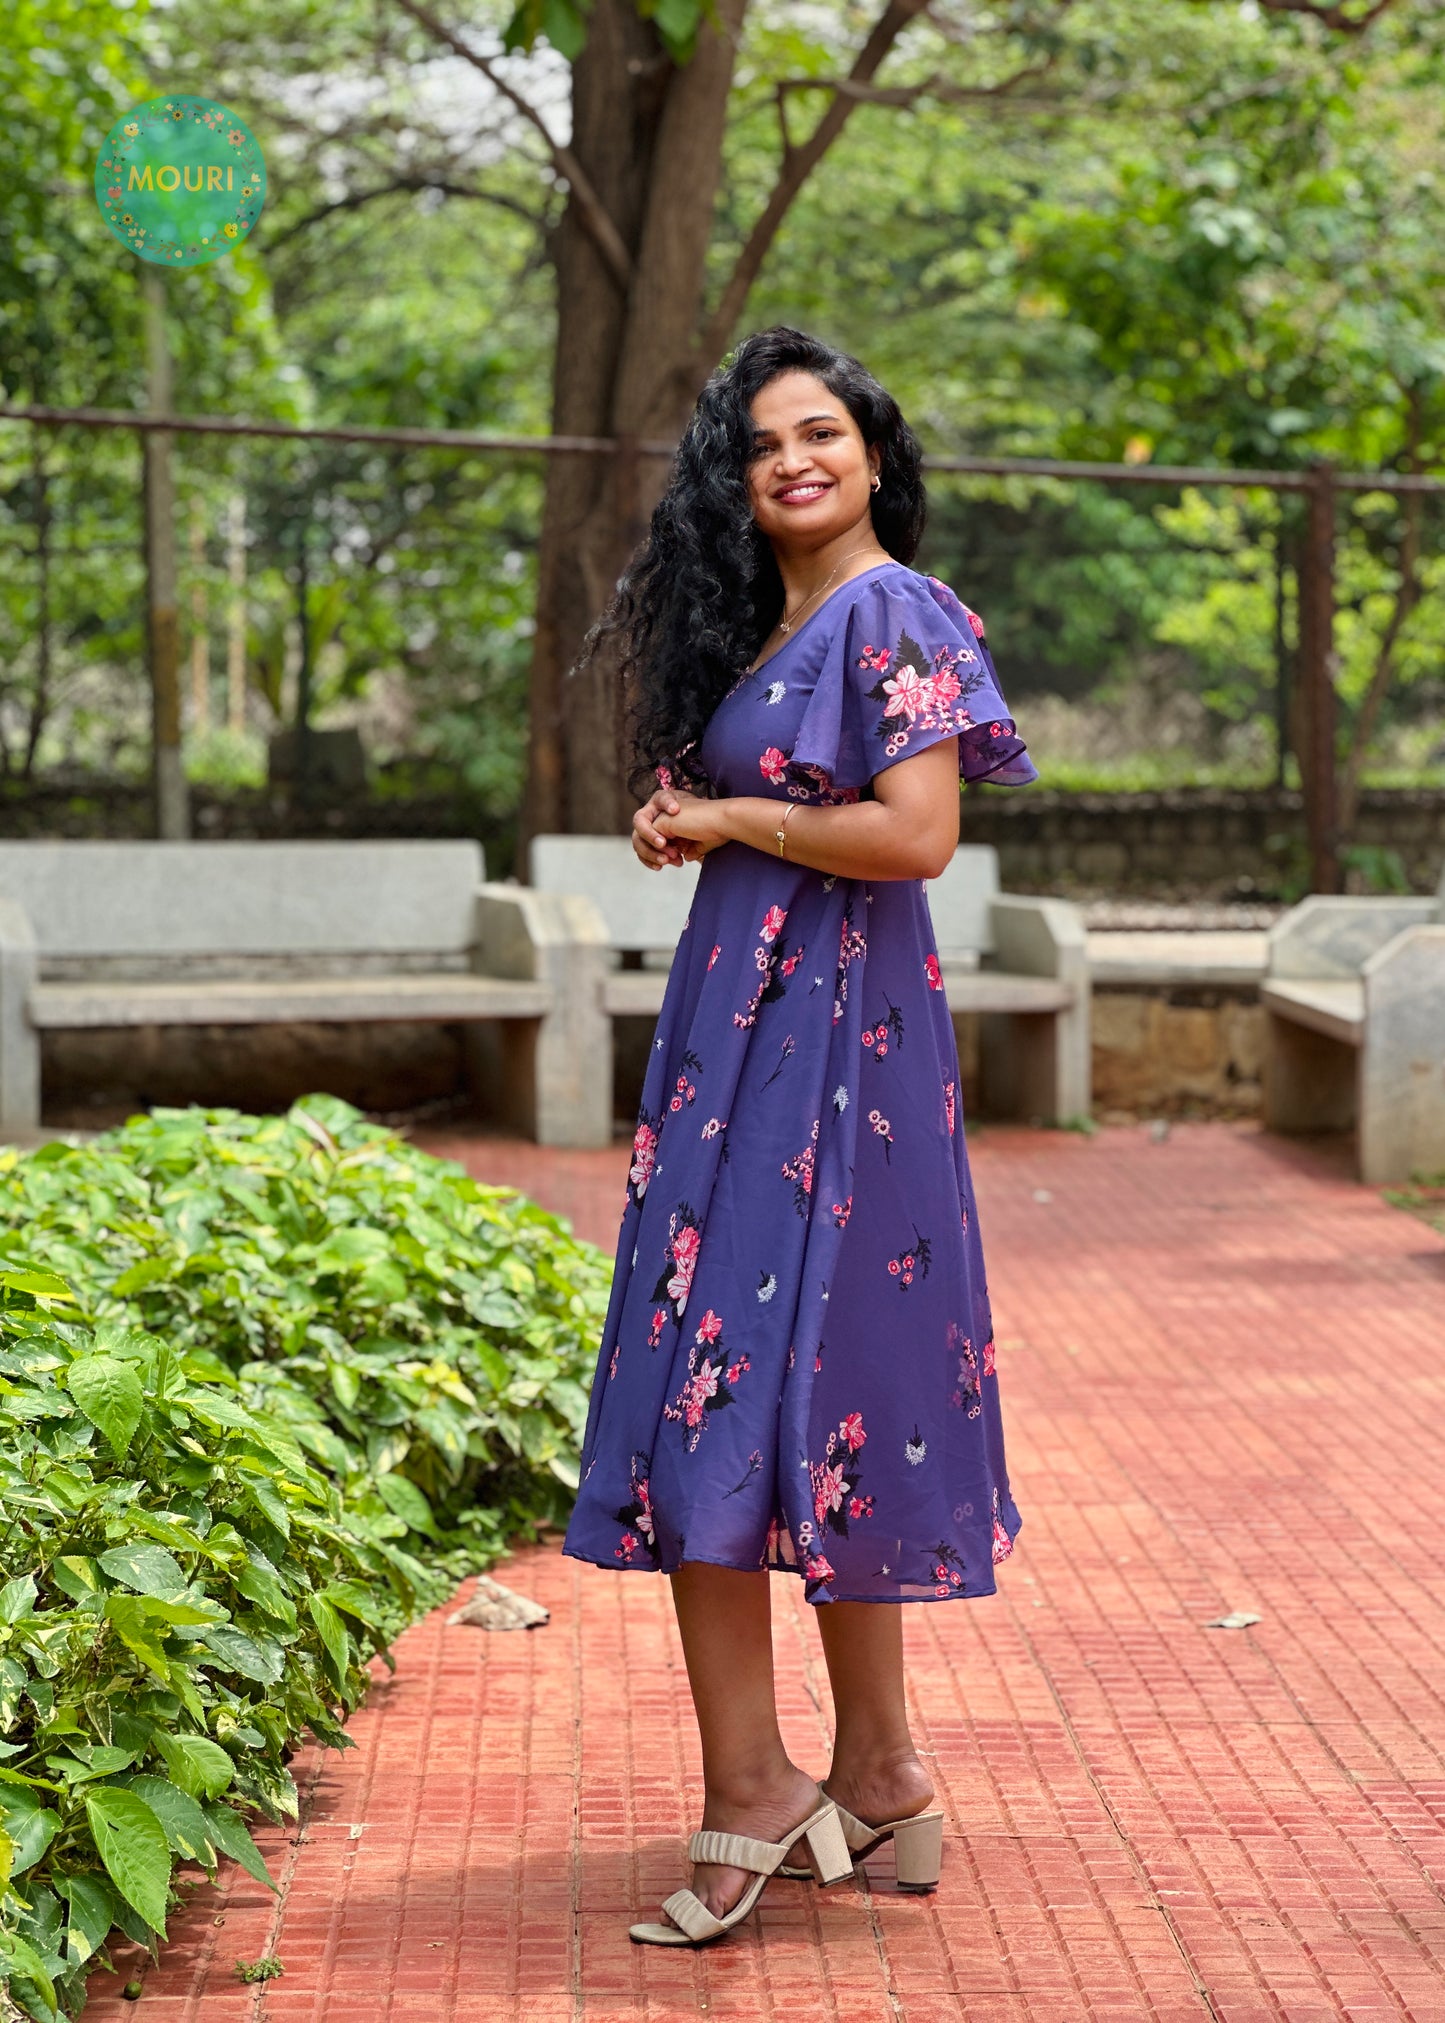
pixel 797 1367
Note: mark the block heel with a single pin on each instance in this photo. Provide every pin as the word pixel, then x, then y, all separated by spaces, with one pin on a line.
pixel 917 1846
pixel 918 1852
pixel 831 1855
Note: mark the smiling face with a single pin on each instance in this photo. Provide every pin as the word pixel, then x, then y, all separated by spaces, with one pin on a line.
pixel 810 476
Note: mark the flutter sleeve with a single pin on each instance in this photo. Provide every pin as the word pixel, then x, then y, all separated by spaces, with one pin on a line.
pixel 908 668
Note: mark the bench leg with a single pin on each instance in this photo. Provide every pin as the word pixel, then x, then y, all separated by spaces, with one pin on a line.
pixel 1309 1079
pixel 547 1079
pixel 1402 1061
pixel 1034 1065
pixel 19 1041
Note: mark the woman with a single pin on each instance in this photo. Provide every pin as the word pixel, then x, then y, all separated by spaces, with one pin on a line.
pixel 796 1370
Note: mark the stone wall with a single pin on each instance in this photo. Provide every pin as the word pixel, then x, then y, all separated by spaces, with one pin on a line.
pixel 1189 842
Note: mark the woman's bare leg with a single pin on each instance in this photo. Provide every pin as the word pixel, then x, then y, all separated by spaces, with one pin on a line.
pixel 751 1785
pixel 875 1771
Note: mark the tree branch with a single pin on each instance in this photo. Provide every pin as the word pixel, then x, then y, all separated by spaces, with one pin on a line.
pixel 937 86
pixel 1335 17
pixel 354 200
pixel 797 165
pixel 590 209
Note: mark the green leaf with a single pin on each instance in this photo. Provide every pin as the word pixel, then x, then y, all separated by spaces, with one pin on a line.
pixel 74 1575
pixel 240 1653
pixel 355 1599
pixel 40 1284
pixel 132 1844
pixel 30 1824
pixel 17 1599
pixel 402 1497
pixel 133 1627
pixel 259 1583
pixel 230 1835
pixel 92 1913
pixel 272 1506
pixel 149 1569
pixel 109 1393
pixel 199 1766
pixel 186 1826
pixel 332 1632
pixel 150 1271
pixel 21 1960
pixel 7 1860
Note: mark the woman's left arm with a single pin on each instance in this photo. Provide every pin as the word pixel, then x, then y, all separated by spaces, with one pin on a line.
pixel 909 831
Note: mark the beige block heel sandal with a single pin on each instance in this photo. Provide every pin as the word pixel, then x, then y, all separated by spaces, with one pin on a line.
pixel 917 1847
pixel 829 1861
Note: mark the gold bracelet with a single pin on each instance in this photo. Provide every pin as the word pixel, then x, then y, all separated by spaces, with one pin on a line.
pixel 782 825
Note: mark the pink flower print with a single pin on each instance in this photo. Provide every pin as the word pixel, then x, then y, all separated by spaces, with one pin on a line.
pixel 933 973
pixel 711 1128
pixel 654 1333
pixel 644 1152
pixel 860 1506
pixel 685 1247
pixel 946 685
pixel 948 1089
pixel 828 1489
pixel 852 1431
pixel 841 1211
pixel 875 658
pixel 626 1546
pixel 709 1327
pixel 716 952
pixel 1003 1545
pixel 737 1369
pixel 988 1353
pixel 612 1363
pixel 816 1567
pixel 664 778
pixel 771 765
pixel 976 622
pixel 882 1129
pixel 907 693
pixel 772 925
pixel 699 1388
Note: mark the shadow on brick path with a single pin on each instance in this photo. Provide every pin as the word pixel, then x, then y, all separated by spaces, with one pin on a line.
pixel 1223 1370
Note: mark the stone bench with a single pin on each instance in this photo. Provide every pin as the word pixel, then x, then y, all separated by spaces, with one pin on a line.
pixel 119 935
pixel 1020 963
pixel 1354 997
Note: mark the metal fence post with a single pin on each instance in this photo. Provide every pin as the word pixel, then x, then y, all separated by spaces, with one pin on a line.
pixel 1317 667
pixel 172 811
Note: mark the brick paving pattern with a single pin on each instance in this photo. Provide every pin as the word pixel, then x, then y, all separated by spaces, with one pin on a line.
pixel 1224 1372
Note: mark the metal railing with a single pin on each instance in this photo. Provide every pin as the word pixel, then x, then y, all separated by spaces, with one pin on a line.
pixel 1320 485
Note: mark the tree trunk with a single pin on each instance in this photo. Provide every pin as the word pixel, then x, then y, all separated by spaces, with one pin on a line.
pixel 649 134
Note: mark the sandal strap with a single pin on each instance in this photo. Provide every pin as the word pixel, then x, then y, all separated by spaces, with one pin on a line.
pixel 735 1850
pixel 692 1915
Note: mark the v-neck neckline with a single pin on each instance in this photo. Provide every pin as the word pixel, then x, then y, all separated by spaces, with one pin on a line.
pixel 891 563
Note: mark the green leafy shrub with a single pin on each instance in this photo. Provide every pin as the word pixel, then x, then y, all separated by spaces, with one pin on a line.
pixel 194 1596
pixel 292 1376
pixel 426 1339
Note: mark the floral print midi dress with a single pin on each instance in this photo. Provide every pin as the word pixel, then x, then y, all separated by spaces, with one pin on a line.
pixel 797 1366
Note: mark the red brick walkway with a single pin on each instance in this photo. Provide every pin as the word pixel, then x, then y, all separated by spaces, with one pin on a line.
pixel 1224 1384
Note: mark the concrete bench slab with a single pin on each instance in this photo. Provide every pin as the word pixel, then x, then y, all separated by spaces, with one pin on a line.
pixel 98 935
pixel 1017 962
pixel 1354 997
pixel 1332 1006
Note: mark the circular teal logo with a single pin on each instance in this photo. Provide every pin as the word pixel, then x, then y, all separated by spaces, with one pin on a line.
pixel 180 181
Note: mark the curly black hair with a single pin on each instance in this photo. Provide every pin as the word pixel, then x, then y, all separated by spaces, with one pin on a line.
pixel 702 591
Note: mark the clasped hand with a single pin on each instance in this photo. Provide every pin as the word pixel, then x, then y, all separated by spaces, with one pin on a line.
pixel 676 826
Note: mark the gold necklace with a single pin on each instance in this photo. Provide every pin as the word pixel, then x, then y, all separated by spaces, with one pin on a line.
pixel 786 624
